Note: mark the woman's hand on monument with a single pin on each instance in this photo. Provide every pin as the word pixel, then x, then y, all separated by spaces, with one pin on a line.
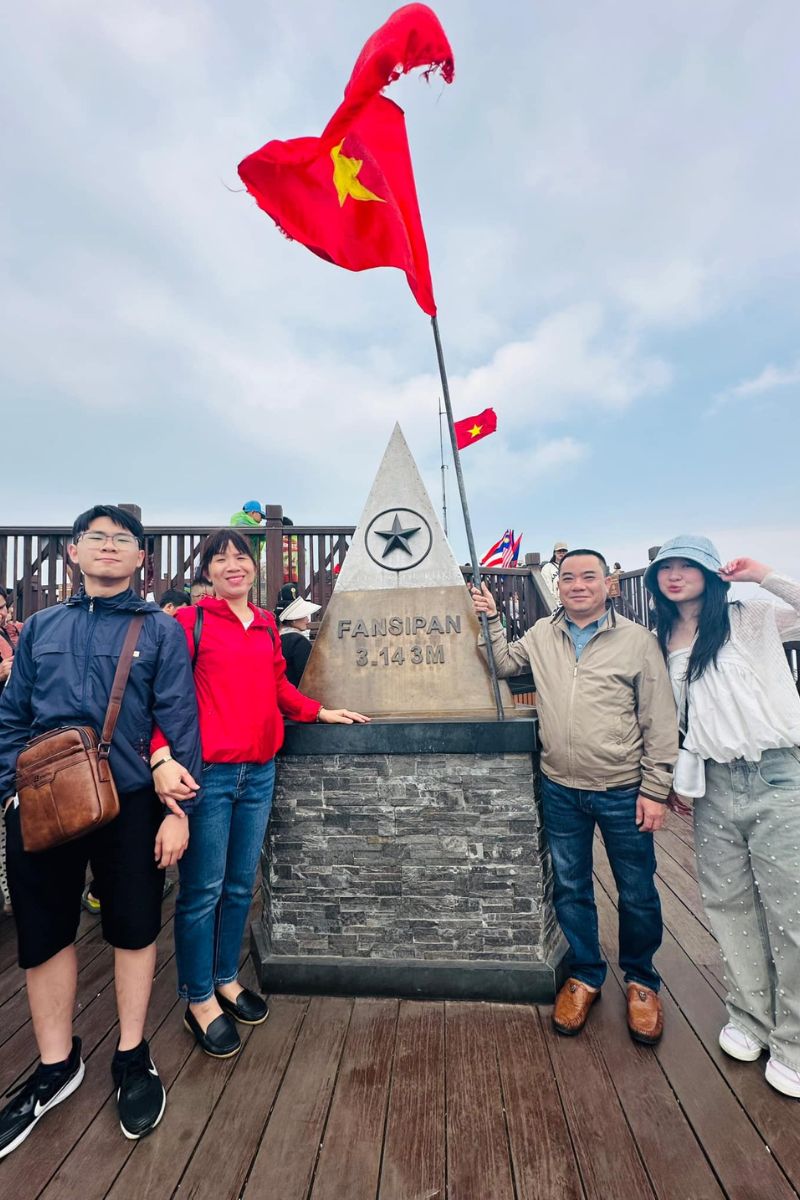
pixel 483 601
pixel 341 716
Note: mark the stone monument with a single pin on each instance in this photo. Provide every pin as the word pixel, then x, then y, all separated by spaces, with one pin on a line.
pixel 406 857
pixel 399 636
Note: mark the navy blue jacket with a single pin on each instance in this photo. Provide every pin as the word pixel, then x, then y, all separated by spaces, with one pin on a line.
pixel 63 670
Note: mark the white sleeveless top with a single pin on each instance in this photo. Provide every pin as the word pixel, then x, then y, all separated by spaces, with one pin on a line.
pixel 731 714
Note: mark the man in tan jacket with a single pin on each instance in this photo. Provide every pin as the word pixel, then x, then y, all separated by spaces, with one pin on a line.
pixel 608 747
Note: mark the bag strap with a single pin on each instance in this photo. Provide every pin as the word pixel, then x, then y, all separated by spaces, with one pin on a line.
pixel 198 632
pixel 270 630
pixel 120 680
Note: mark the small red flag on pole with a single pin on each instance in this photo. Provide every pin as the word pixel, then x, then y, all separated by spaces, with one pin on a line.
pixel 472 429
pixel 349 195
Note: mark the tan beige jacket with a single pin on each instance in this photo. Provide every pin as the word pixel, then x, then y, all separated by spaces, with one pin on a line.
pixel 606 720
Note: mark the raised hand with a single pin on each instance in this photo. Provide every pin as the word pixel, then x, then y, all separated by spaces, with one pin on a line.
pixel 744 570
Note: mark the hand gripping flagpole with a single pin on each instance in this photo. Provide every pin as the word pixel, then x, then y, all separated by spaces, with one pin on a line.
pixel 476 570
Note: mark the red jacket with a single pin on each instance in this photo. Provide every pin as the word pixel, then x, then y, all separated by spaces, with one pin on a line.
pixel 241 685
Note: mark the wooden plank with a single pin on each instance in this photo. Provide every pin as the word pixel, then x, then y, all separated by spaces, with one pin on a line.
pixel 100 1152
pixel 478 1155
pixel 157 1163
pixel 684 888
pixel 604 1145
pixel 664 1138
pixel 545 1167
pixel 242 1112
pixel 350 1157
pixel 692 935
pixel 85 1167
pixel 669 843
pixel 682 827
pixel 741 1160
pixel 284 1165
pixel 680 926
pixel 92 1023
pixel 773 1115
pixel 95 965
pixel 414 1148
pixel 702 1011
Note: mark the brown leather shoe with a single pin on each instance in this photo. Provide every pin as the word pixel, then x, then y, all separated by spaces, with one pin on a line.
pixel 572 1007
pixel 645 1015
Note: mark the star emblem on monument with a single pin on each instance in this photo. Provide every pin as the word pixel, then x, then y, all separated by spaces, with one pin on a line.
pixel 397 538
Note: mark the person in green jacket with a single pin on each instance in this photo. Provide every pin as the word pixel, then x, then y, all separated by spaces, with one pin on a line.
pixel 251 513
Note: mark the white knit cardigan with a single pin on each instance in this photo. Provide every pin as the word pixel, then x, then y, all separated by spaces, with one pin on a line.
pixel 758 631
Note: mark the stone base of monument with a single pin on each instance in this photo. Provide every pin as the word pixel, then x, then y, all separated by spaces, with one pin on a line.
pixel 407 859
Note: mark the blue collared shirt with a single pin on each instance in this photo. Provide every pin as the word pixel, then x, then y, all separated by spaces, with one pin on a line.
pixel 581 636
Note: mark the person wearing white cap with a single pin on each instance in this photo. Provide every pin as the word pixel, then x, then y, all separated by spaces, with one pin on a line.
pixel 295 631
pixel 550 568
pixel 739 712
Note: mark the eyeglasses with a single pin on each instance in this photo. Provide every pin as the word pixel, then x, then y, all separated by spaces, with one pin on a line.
pixel 123 541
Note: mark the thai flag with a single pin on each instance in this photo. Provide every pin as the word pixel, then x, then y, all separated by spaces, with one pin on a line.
pixel 512 553
pixel 496 555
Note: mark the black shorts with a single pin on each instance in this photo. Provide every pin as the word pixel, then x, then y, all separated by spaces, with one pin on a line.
pixel 46 888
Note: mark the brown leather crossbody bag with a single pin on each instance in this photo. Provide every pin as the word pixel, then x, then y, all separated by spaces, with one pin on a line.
pixel 64 779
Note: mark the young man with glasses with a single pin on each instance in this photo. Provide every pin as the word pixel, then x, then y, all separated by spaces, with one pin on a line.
pixel 63 671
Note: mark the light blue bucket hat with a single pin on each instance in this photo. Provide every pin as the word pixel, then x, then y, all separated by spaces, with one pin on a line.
pixel 700 550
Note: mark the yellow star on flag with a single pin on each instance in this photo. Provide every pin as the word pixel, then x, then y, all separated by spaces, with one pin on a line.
pixel 476 429
pixel 345 177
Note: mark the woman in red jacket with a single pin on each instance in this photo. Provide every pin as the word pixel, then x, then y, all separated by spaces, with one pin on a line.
pixel 242 690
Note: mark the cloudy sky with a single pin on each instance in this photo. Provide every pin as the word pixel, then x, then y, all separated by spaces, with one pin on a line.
pixel 610 194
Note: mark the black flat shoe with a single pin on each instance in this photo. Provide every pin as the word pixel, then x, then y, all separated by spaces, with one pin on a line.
pixel 248 1008
pixel 220 1040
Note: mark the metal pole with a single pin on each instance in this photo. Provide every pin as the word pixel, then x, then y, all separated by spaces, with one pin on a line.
pixel 444 468
pixel 476 570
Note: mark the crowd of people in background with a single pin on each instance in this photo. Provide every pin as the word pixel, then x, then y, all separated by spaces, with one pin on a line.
pixel 703 710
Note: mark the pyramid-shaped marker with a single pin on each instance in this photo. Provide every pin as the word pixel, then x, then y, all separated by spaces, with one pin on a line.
pixel 399 635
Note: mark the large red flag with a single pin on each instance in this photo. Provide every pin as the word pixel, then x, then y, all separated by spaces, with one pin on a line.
pixel 349 195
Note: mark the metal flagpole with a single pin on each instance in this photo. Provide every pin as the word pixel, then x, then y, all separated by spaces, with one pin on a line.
pixel 444 468
pixel 476 570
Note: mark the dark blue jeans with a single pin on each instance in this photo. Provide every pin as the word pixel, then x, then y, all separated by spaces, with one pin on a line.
pixel 226 832
pixel 570 816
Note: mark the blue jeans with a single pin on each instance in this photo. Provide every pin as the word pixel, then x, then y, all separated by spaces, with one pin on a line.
pixel 570 816
pixel 226 832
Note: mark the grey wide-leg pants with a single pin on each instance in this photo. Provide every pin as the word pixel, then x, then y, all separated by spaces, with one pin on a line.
pixel 747 837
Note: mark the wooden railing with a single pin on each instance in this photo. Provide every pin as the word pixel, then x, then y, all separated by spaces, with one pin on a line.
pixel 35 565
pixel 520 595
pixel 311 555
pixel 633 601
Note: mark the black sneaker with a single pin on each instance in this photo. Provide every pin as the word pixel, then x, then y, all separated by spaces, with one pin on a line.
pixel 141 1098
pixel 35 1096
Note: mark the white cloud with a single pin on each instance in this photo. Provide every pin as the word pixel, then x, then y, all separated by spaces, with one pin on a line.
pixel 596 188
pixel 572 362
pixel 676 292
pixel 769 380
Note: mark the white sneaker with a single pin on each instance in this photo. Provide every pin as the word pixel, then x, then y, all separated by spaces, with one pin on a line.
pixel 782 1078
pixel 738 1044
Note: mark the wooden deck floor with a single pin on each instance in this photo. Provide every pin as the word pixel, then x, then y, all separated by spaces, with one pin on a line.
pixel 339 1099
